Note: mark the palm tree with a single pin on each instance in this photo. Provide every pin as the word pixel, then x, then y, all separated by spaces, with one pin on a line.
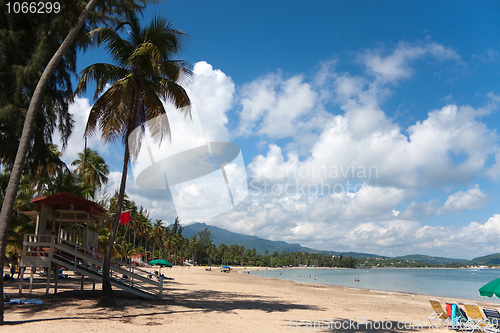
pixel 143 75
pixel 157 234
pixel 223 250
pixel 193 244
pixel 24 143
pixel 92 169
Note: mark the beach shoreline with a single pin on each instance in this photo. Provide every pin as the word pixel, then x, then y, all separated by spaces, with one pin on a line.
pixel 343 283
pixel 204 301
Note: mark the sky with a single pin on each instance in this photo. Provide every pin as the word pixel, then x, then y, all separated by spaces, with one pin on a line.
pixel 366 126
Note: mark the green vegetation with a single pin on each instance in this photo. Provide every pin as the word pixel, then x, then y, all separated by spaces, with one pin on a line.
pixel 489 260
pixel 399 262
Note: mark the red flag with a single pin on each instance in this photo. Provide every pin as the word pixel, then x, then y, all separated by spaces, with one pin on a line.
pixel 124 218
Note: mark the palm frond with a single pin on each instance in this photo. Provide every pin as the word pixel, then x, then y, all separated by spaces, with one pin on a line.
pixel 174 93
pixel 102 74
pixel 118 47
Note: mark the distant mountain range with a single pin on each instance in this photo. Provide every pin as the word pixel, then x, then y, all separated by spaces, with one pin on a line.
pixel 489 260
pixel 433 260
pixel 222 236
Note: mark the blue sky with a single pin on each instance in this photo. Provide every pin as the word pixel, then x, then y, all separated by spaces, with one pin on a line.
pixel 409 89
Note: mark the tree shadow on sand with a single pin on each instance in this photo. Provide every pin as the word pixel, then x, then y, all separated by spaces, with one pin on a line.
pixel 130 306
pixel 209 300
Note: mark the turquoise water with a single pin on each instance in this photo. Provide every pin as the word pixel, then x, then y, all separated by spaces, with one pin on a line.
pixel 453 283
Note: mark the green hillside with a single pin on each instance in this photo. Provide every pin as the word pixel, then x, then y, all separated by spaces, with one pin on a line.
pixel 222 236
pixel 432 260
pixel 489 260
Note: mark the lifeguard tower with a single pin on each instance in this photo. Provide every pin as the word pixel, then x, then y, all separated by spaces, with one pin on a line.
pixel 65 237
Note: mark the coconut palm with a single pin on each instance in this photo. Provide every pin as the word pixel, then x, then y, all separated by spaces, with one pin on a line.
pixel 144 73
pixel 25 141
pixel 92 169
pixel 157 234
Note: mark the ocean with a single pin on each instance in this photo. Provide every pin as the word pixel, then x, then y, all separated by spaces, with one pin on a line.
pixel 452 283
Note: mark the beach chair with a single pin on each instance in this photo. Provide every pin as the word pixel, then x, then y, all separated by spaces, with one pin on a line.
pixel 493 318
pixel 476 321
pixel 456 314
pixel 439 316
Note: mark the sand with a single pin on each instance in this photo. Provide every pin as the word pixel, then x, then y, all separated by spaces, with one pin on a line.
pixel 210 301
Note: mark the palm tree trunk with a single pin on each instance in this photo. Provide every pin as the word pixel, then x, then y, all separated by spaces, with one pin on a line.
pixel 107 297
pixel 24 144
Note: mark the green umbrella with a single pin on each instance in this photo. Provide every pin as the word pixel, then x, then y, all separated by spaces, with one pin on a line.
pixel 160 262
pixel 490 289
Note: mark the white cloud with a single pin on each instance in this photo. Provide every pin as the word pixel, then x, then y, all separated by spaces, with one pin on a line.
pixel 448 148
pixel 212 93
pixel 279 107
pixel 462 200
pixel 371 201
pixel 396 66
pixel 80 110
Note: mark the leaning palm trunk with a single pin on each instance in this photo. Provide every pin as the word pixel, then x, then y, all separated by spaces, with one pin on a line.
pixel 15 176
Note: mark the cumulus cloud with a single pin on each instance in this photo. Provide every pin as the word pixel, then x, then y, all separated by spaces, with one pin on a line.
pixel 397 65
pixel 351 189
pixel 278 107
pixel 212 93
pixel 462 200
pixel 79 110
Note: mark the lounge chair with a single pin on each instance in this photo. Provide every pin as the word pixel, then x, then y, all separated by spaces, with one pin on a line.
pixel 476 319
pixel 456 314
pixel 439 316
pixel 493 318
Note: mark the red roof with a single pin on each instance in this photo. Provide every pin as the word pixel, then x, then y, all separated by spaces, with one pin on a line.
pixel 68 201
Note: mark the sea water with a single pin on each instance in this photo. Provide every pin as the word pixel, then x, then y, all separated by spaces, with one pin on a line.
pixel 452 283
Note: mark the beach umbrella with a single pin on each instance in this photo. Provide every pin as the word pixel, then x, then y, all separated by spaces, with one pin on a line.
pixel 161 263
pixel 490 289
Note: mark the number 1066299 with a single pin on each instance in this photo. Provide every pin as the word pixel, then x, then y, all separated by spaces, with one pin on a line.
pixel 33 7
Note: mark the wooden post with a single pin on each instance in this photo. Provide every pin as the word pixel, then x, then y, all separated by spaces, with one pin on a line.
pixel 49 268
pixel 31 278
pixel 47 287
pixel 21 277
pixel 161 285
pixel 56 277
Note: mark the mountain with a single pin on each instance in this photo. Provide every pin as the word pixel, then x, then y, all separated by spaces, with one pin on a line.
pixel 222 236
pixel 489 260
pixel 432 260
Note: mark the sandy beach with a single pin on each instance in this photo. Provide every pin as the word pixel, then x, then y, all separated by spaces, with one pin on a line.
pixel 210 301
